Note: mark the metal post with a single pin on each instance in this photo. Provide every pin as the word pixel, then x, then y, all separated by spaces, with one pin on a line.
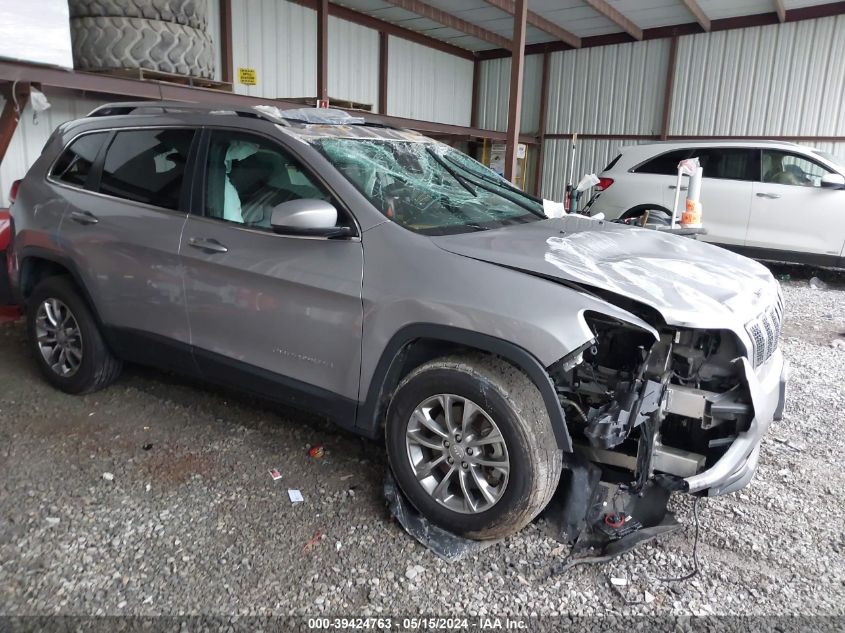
pixel 520 18
pixel 382 71
pixel 322 50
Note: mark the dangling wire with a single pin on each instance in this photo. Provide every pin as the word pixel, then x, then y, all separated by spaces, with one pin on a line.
pixel 694 571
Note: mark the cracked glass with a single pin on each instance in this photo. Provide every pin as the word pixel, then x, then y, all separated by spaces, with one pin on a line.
pixel 429 188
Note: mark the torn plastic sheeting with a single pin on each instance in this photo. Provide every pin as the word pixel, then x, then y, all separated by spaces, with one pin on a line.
pixel 447 546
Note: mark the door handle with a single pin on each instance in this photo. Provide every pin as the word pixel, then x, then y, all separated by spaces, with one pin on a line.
pixel 770 196
pixel 210 245
pixel 676 186
pixel 83 217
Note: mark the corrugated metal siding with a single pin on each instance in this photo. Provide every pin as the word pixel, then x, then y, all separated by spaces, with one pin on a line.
pixel 279 40
pixel 786 79
pixel 590 156
pixel 353 62
pixel 427 84
pixel 609 89
pixel 29 138
pixel 493 94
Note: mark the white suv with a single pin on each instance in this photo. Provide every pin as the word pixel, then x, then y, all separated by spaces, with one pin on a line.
pixel 770 200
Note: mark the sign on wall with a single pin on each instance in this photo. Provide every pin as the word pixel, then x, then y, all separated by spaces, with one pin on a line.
pixel 247 76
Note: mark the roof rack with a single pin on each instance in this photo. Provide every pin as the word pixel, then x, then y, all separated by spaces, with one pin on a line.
pixel 159 107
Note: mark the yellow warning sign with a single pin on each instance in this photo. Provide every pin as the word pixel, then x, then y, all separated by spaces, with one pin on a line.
pixel 247 76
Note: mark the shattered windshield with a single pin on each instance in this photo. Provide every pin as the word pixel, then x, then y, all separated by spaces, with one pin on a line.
pixel 429 188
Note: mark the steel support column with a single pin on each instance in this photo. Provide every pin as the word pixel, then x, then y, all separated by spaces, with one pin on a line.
pixel 322 49
pixel 520 18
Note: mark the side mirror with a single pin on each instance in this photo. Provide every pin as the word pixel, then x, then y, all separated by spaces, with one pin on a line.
pixel 307 217
pixel 833 181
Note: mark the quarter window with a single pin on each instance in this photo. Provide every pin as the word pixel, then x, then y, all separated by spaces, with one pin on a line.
pixel 783 168
pixel 247 176
pixel 147 166
pixel 74 164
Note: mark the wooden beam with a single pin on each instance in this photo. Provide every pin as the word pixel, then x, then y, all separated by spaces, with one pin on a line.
pixel 451 21
pixel 601 6
pixel 541 124
pixel 700 15
pixel 781 11
pixel 323 49
pixel 227 73
pixel 670 87
pixel 547 26
pixel 10 117
pixel 383 39
pixel 520 18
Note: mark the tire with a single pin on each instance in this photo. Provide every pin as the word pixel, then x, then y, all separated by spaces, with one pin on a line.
pixel 658 215
pixel 509 399
pixel 100 43
pixel 193 13
pixel 98 367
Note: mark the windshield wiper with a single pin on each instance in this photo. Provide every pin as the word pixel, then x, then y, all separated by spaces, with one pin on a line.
pixel 463 181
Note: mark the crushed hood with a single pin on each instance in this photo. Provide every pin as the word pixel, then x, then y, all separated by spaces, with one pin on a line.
pixel 691 283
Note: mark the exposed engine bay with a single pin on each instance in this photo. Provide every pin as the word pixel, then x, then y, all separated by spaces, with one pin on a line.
pixel 643 415
pixel 653 409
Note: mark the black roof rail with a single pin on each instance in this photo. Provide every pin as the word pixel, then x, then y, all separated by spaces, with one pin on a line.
pixel 159 107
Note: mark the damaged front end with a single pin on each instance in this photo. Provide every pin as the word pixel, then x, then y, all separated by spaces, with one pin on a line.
pixel 652 412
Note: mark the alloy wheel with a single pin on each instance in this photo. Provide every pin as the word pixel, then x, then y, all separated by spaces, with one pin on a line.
pixel 457 453
pixel 58 337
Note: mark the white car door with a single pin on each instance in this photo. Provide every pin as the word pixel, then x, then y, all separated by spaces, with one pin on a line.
pixel 791 211
pixel 726 191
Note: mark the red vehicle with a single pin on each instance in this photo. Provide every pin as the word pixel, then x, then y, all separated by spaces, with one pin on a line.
pixel 7 308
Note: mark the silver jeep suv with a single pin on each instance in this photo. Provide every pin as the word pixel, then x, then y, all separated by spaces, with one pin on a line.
pixel 402 289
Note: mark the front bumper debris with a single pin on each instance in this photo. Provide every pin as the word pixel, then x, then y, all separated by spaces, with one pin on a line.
pixel 767 386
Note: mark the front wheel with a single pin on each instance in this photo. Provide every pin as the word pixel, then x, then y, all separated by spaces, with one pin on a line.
pixel 471 445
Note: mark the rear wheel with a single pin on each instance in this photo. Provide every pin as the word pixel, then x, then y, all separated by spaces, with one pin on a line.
pixel 471 445
pixel 67 344
pixel 647 215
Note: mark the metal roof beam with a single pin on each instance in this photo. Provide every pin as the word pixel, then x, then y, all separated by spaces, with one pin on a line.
pixel 452 21
pixel 547 26
pixel 700 15
pixel 601 6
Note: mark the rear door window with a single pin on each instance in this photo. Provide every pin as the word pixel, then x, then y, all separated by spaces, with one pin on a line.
pixel 728 163
pixel 147 166
pixel 74 164
pixel 665 164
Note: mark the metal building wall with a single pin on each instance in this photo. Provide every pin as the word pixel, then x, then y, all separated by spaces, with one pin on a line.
pixel 605 90
pixel 427 84
pixel 30 137
pixel 784 79
pixel 353 62
pixel 494 82
pixel 279 40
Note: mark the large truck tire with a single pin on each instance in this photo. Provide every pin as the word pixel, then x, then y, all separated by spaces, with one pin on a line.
pixel 101 43
pixel 193 13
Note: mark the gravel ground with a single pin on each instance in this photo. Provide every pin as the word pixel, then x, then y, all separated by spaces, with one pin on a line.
pixel 153 497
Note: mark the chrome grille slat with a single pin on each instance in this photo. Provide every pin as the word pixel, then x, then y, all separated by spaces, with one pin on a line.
pixel 764 331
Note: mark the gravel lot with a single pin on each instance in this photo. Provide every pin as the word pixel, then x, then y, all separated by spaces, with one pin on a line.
pixel 192 522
